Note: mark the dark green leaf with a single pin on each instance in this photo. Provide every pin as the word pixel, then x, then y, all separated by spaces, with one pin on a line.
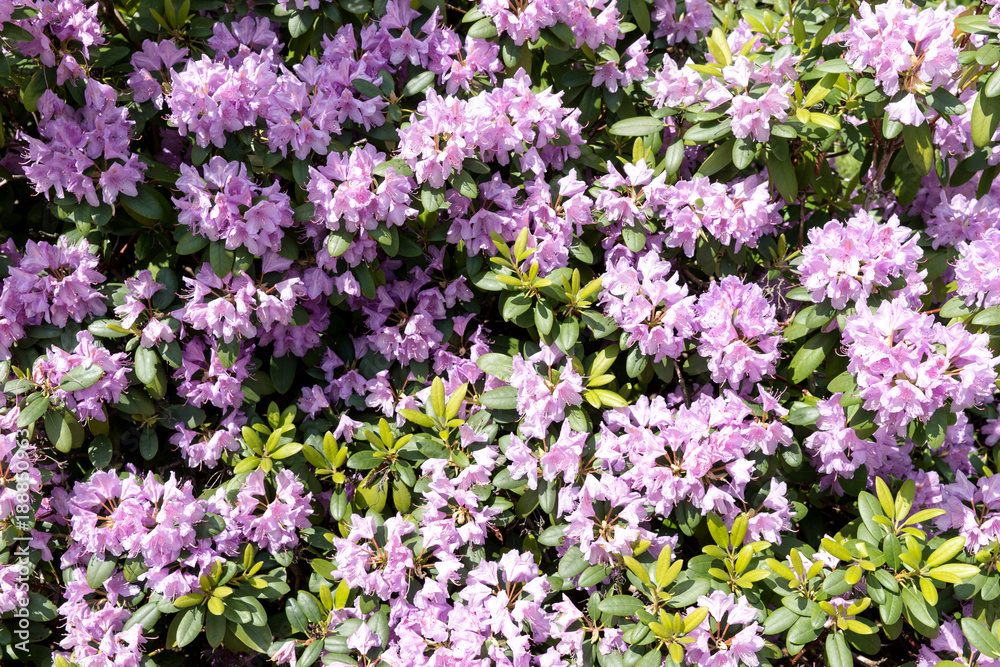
pixel 501 398
pixel 99 571
pixel 81 377
pixel 985 119
pixel 419 83
pixel 190 625
pixel 981 638
pixel 33 410
pixel 920 147
pixel 812 354
pixel 782 176
pixel 637 126
pixel 838 653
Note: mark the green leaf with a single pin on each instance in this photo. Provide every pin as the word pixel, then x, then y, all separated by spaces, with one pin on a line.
pixel 782 176
pixel 955 307
pixel 936 427
pixel 640 13
pixel 414 416
pixel 572 563
pixel 593 575
pixel 985 119
pixel 821 89
pixel 802 415
pixel 569 331
pixel 146 616
pixel 811 355
pixel 744 151
pixel 919 144
pixel 779 620
pixel 981 638
pixel 835 66
pixel 987 318
pixel 497 365
pixel 720 158
pixel 621 605
pixel 420 82
pixel 943 101
pixel 799 294
pixel 842 383
pixel 33 410
pixel 637 126
pixel 99 571
pixel 146 362
pixel 465 185
pixel 256 637
pixel 144 206
pixel 228 352
pixel 917 606
pixel 100 451
pixel 992 87
pixel 283 372
pixel 190 625
pixel 215 628
pixel 36 85
pixel 222 260
pixel 148 443
pixel 190 243
pixel 364 460
pixel 339 242
pixel 802 632
pixel 81 377
pixel 544 318
pixel 300 22
pixel 946 551
pixel 634 238
pixel 63 429
pixel 501 398
pixel 838 653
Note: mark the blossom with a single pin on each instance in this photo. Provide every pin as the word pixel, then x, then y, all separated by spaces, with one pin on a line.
pixel 653 309
pixel 907 365
pixel 276 528
pixel 86 360
pixel 847 261
pixel 65 158
pixel 978 270
pixel 223 204
pixel 738 332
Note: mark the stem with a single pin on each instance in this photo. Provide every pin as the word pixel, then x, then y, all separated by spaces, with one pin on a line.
pixel 875 186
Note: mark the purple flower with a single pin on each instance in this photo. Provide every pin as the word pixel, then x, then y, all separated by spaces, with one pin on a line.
pixel 654 310
pixel 286 510
pixel 49 283
pixel 978 270
pixel 845 262
pixel 224 204
pixel 72 142
pixel 739 334
pixel 87 403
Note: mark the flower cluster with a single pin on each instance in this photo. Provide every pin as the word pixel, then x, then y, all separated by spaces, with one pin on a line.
pixel 81 150
pixel 223 204
pixel 84 379
pixel 908 366
pixel 908 49
pixel 48 283
pixel 846 261
pixel 740 212
pixel 649 304
pixel 739 333
pixel 534 334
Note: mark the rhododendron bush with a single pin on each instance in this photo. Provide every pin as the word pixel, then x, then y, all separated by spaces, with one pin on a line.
pixel 543 333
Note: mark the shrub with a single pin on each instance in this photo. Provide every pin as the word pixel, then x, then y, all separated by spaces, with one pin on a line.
pixel 545 333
